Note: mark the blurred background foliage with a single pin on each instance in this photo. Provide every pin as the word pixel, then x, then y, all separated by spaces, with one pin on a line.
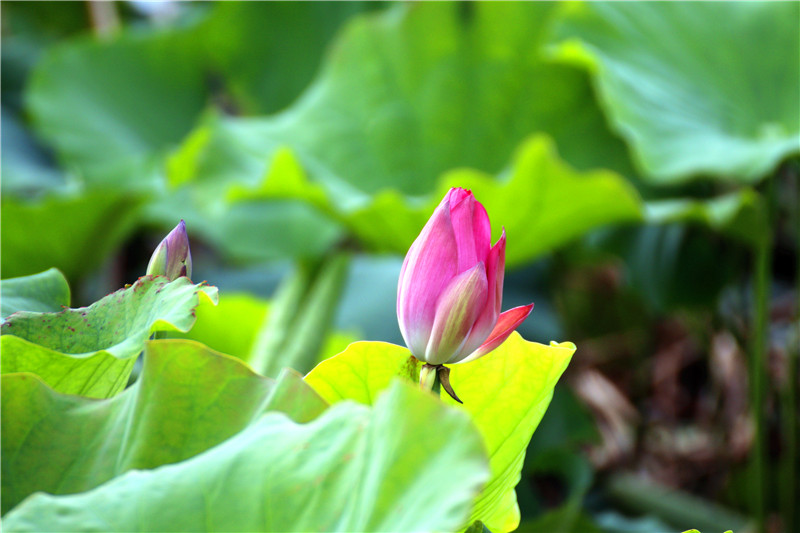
pixel 642 157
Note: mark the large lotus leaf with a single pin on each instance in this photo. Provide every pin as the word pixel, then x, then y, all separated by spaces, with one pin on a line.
pixel 540 200
pixel 187 400
pixel 408 464
pixel 91 350
pixel 685 84
pixel 230 326
pixel 250 231
pixel 45 291
pixel 233 324
pixel 27 169
pixel 28 29
pixel 437 91
pixel 687 253
pixel 237 226
pixel 74 233
pixel 111 108
pixel 506 394
pixel 739 214
pixel 247 42
pixel 676 266
pixel 672 264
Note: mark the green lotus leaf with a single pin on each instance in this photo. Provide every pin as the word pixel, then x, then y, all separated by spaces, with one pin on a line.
pixel 540 200
pixel 187 400
pixel 247 45
pixel 91 350
pixel 437 94
pixel 693 96
pixel 73 233
pixel 42 292
pixel 229 223
pixel 739 214
pixel 506 394
pixel 26 168
pixel 112 109
pixel 230 326
pixel 354 468
pixel 687 253
pixel 543 203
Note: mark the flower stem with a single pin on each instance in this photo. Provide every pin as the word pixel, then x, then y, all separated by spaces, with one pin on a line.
pixel 758 359
pixel 789 464
pixel 104 18
pixel 757 363
pixel 300 316
pixel 429 379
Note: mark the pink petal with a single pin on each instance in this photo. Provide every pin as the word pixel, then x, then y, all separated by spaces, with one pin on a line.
pixel 462 213
pixel 495 273
pixel 456 195
pixel 429 266
pixel 506 324
pixel 482 230
pixel 456 311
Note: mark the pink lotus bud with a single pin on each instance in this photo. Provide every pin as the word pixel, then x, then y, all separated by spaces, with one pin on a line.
pixel 451 286
pixel 172 257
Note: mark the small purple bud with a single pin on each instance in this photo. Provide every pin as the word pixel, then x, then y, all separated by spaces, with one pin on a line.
pixel 172 257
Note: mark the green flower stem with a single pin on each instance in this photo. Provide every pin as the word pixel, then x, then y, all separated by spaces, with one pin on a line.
pixel 789 460
pixel 429 379
pixel 757 362
pixel 300 317
pixel 789 464
pixel 285 305
pixel 762 282
pixel 672 506
pixel 314 321
pixel 104 19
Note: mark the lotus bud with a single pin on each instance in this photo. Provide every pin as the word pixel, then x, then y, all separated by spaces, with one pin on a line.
pixel 172 257
pixel 451 286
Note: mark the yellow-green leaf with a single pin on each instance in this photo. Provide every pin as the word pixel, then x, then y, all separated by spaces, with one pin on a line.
pixel 506 393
